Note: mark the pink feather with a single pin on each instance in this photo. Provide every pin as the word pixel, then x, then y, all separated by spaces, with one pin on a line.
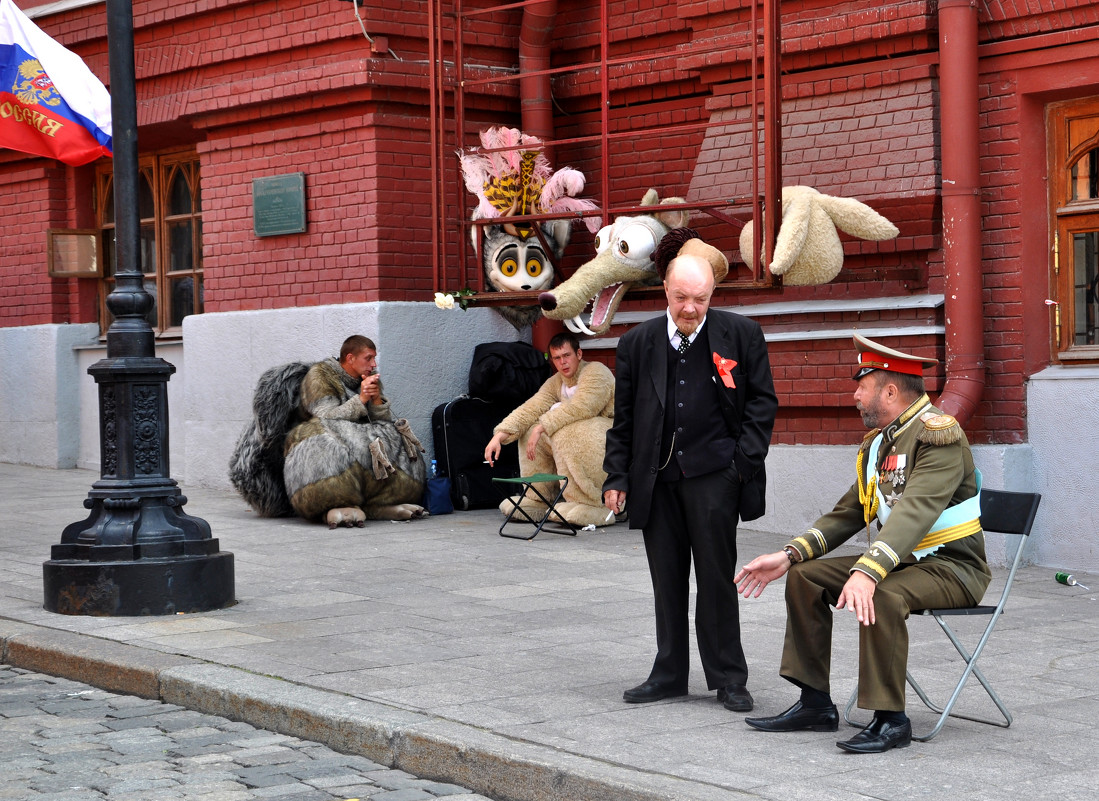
pixel 558 189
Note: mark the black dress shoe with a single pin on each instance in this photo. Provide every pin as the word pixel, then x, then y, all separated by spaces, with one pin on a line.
pixel 736 698
pixel 879 737
pixel 799 718
pixel 652 691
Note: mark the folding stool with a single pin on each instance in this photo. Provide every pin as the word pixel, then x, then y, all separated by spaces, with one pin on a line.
pixel 522 484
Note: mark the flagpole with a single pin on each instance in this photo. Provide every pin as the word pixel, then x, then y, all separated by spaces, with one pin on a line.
pixel 138 552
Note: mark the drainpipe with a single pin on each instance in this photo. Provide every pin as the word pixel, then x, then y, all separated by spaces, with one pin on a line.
pixel 965 368
pixel 535 91
pixel 536 96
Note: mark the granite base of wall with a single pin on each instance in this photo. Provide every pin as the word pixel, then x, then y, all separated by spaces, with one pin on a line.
pixel 40 393
pixel 49 410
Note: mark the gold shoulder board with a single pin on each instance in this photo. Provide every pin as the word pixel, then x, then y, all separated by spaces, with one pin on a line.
pixel 939 429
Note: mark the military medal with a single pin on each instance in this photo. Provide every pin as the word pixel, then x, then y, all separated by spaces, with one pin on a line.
pixel 898 472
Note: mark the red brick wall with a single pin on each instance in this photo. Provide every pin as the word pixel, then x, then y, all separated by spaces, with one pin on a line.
pixel 367 211
pixel 36 192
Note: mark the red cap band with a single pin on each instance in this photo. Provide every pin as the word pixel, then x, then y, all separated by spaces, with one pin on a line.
pixel 874 361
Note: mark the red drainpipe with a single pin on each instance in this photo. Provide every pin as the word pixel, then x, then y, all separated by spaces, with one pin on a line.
pixel 536 96
pixel 965 365
pixel 535 91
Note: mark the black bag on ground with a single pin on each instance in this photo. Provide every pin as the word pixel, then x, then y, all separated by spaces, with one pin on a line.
pixel 461 429
pixel 508 372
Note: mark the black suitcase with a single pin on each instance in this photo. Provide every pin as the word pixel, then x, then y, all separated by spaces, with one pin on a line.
pixel 461 429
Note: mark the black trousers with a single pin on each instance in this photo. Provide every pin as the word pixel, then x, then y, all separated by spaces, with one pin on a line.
pixel 696 516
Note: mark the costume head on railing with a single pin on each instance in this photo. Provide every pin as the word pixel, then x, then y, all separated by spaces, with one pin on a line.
pixel 808 250
pixel 687 242
pixel 511 177
pixel 624 257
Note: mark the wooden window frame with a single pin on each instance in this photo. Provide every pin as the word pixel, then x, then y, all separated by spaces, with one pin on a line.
pixel 158 170
pixel 1072 130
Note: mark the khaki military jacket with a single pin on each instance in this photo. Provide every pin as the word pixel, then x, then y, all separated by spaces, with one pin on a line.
pixel 923 465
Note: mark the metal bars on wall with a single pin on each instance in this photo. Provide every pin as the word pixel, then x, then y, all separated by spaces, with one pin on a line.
pixel 455 73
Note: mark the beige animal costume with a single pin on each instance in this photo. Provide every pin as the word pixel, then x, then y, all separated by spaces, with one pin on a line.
pixel 575 414
pixel 808 250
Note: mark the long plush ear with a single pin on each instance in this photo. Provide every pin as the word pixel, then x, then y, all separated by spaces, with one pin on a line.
pixel 793 230
pixel 673 218
pixel 651 198
pixel 856 218
pixel 559 232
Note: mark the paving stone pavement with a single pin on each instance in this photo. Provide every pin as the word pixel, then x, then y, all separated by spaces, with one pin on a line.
pixel 440 649
pixel 62 740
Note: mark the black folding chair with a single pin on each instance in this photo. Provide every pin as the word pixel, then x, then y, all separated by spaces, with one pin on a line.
pixel 1004 513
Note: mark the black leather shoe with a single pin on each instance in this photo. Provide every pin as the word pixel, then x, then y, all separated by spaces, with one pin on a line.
pixel 879 737
pixel 799 718
pixel 652 691
pixel 736 698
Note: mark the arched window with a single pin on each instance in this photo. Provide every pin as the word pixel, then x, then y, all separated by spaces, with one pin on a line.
pixel 170 208
pixel 1074 194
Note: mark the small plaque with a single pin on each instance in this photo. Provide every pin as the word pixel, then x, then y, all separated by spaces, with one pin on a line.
pixel 73 253
pixel 278 204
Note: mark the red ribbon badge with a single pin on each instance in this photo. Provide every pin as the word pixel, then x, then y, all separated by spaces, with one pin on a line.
pixel 725 370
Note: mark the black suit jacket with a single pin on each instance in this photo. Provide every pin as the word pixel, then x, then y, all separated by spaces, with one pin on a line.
pixel 641 374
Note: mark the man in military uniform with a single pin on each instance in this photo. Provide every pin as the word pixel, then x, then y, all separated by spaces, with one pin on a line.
pixel 915 474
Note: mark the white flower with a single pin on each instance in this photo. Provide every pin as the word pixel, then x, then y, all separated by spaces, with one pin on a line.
pixel 444 301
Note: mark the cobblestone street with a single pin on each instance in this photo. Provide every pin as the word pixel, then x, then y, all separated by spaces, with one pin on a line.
pixel 65 741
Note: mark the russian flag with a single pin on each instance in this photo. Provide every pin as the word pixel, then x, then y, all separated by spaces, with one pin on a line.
pixel 50 102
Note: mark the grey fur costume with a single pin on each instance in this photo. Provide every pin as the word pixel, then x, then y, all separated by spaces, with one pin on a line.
pixel 312 446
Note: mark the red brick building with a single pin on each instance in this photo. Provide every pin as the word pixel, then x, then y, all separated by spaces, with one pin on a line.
pixel 974 128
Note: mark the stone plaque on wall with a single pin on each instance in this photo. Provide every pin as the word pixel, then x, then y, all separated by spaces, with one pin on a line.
pixel 278 204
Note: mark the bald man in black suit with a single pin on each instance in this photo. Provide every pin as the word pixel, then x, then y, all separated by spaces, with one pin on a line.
pixel 692 425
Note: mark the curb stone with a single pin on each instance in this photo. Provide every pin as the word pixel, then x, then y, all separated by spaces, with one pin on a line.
pixel 433 748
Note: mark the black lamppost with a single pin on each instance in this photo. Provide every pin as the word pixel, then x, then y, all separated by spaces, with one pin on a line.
pixel 138 553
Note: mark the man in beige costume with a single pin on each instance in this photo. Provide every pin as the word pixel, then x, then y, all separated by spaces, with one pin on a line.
pixel 562 429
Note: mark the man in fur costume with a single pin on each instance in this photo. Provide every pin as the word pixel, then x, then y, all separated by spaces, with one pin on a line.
pixel 346 459
pixel 562 429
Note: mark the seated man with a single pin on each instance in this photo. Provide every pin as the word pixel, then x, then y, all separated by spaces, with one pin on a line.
pixel 562 429
pixel 346 459
pixel 915 473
